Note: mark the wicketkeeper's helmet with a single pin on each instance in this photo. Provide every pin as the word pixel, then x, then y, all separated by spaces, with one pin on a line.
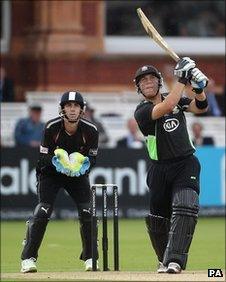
pixel 72 96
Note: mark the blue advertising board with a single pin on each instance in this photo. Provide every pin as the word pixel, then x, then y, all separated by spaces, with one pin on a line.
pixel 125 167
pixel 212 161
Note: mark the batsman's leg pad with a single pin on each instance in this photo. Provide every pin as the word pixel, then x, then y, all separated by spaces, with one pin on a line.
pixel 35 230
pixel 158 229
pixel 85 231
pixel 185 205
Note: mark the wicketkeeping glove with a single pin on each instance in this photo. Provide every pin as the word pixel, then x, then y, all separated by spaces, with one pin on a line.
pixel 85 166
pixel 183 68
pixel 73 165
pixel 79 164
pixel 61 161
pixel 198 81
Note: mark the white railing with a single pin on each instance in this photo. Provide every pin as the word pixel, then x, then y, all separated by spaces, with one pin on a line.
pixel 112 109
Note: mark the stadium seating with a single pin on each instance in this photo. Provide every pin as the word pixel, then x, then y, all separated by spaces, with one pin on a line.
pixel 112 109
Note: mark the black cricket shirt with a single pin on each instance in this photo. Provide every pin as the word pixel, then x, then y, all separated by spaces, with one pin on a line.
pixel 167 137
pixel 84 141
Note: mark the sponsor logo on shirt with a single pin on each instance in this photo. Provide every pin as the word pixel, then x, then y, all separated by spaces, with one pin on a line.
pixel 44 150
pixel 45 210
pixel 93 152
pixel 171 124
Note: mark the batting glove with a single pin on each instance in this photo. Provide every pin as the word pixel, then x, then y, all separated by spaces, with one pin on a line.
pixel 198 81
pixel 183 68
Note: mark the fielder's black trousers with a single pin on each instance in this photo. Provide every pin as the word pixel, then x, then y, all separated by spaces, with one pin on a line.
pixel 48 187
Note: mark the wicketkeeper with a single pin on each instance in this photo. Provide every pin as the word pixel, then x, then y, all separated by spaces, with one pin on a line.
pixel 67 153
pixel 173 175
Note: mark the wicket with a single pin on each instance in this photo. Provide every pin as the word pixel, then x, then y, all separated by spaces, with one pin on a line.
pixel 104 188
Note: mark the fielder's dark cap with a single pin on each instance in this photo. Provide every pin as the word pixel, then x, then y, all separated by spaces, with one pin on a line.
pixel 36 108
pixel 147 69
pixel 72 96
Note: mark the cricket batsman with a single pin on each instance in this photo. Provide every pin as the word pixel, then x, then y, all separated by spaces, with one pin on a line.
pixel 173 174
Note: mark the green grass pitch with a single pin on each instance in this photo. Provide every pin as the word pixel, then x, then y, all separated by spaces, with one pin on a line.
pixel 61 246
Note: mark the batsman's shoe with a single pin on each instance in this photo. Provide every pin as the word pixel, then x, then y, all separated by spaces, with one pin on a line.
pixel 28 265
pixel 173 267
pixel 161 268
pixel 89 265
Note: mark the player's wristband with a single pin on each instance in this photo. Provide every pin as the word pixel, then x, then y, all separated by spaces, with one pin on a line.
pixel 183 80
pixel 201 104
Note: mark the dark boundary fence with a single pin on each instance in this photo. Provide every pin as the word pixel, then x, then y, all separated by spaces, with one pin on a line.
pixel 125 167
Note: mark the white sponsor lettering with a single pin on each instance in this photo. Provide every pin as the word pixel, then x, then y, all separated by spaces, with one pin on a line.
pixel 22 181
pixel 126 173
pixel 171 124
pixel 13 173
pixel 44 150
pixel 136 178
pixel 93 152
pixel 45 210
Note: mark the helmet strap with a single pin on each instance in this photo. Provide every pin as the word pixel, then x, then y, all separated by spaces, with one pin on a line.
pixel 64 116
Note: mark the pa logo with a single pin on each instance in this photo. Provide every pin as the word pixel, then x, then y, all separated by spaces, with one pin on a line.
pixel 215 272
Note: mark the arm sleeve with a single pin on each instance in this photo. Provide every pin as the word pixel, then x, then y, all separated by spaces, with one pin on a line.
pixel 143 115
pixel 92 148
pixel 46 149
pixel 184 103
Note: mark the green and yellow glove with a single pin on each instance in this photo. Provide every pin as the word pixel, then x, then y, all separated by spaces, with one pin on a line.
pixel 61 161
pixel 79 164
pixel 73 165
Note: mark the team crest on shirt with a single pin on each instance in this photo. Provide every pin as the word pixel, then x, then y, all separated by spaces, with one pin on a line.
pixel 171 124
pixel 144 68
pixel 93 152
pixel 44 150
pixel 175 110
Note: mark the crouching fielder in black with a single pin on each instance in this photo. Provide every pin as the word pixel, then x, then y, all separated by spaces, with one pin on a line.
pixel 68 151
pixel 173 175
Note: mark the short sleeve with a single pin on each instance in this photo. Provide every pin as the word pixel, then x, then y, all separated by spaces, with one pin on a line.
pixel 46 142
pixel 143 116
pixel 92 146
pixel 46 150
